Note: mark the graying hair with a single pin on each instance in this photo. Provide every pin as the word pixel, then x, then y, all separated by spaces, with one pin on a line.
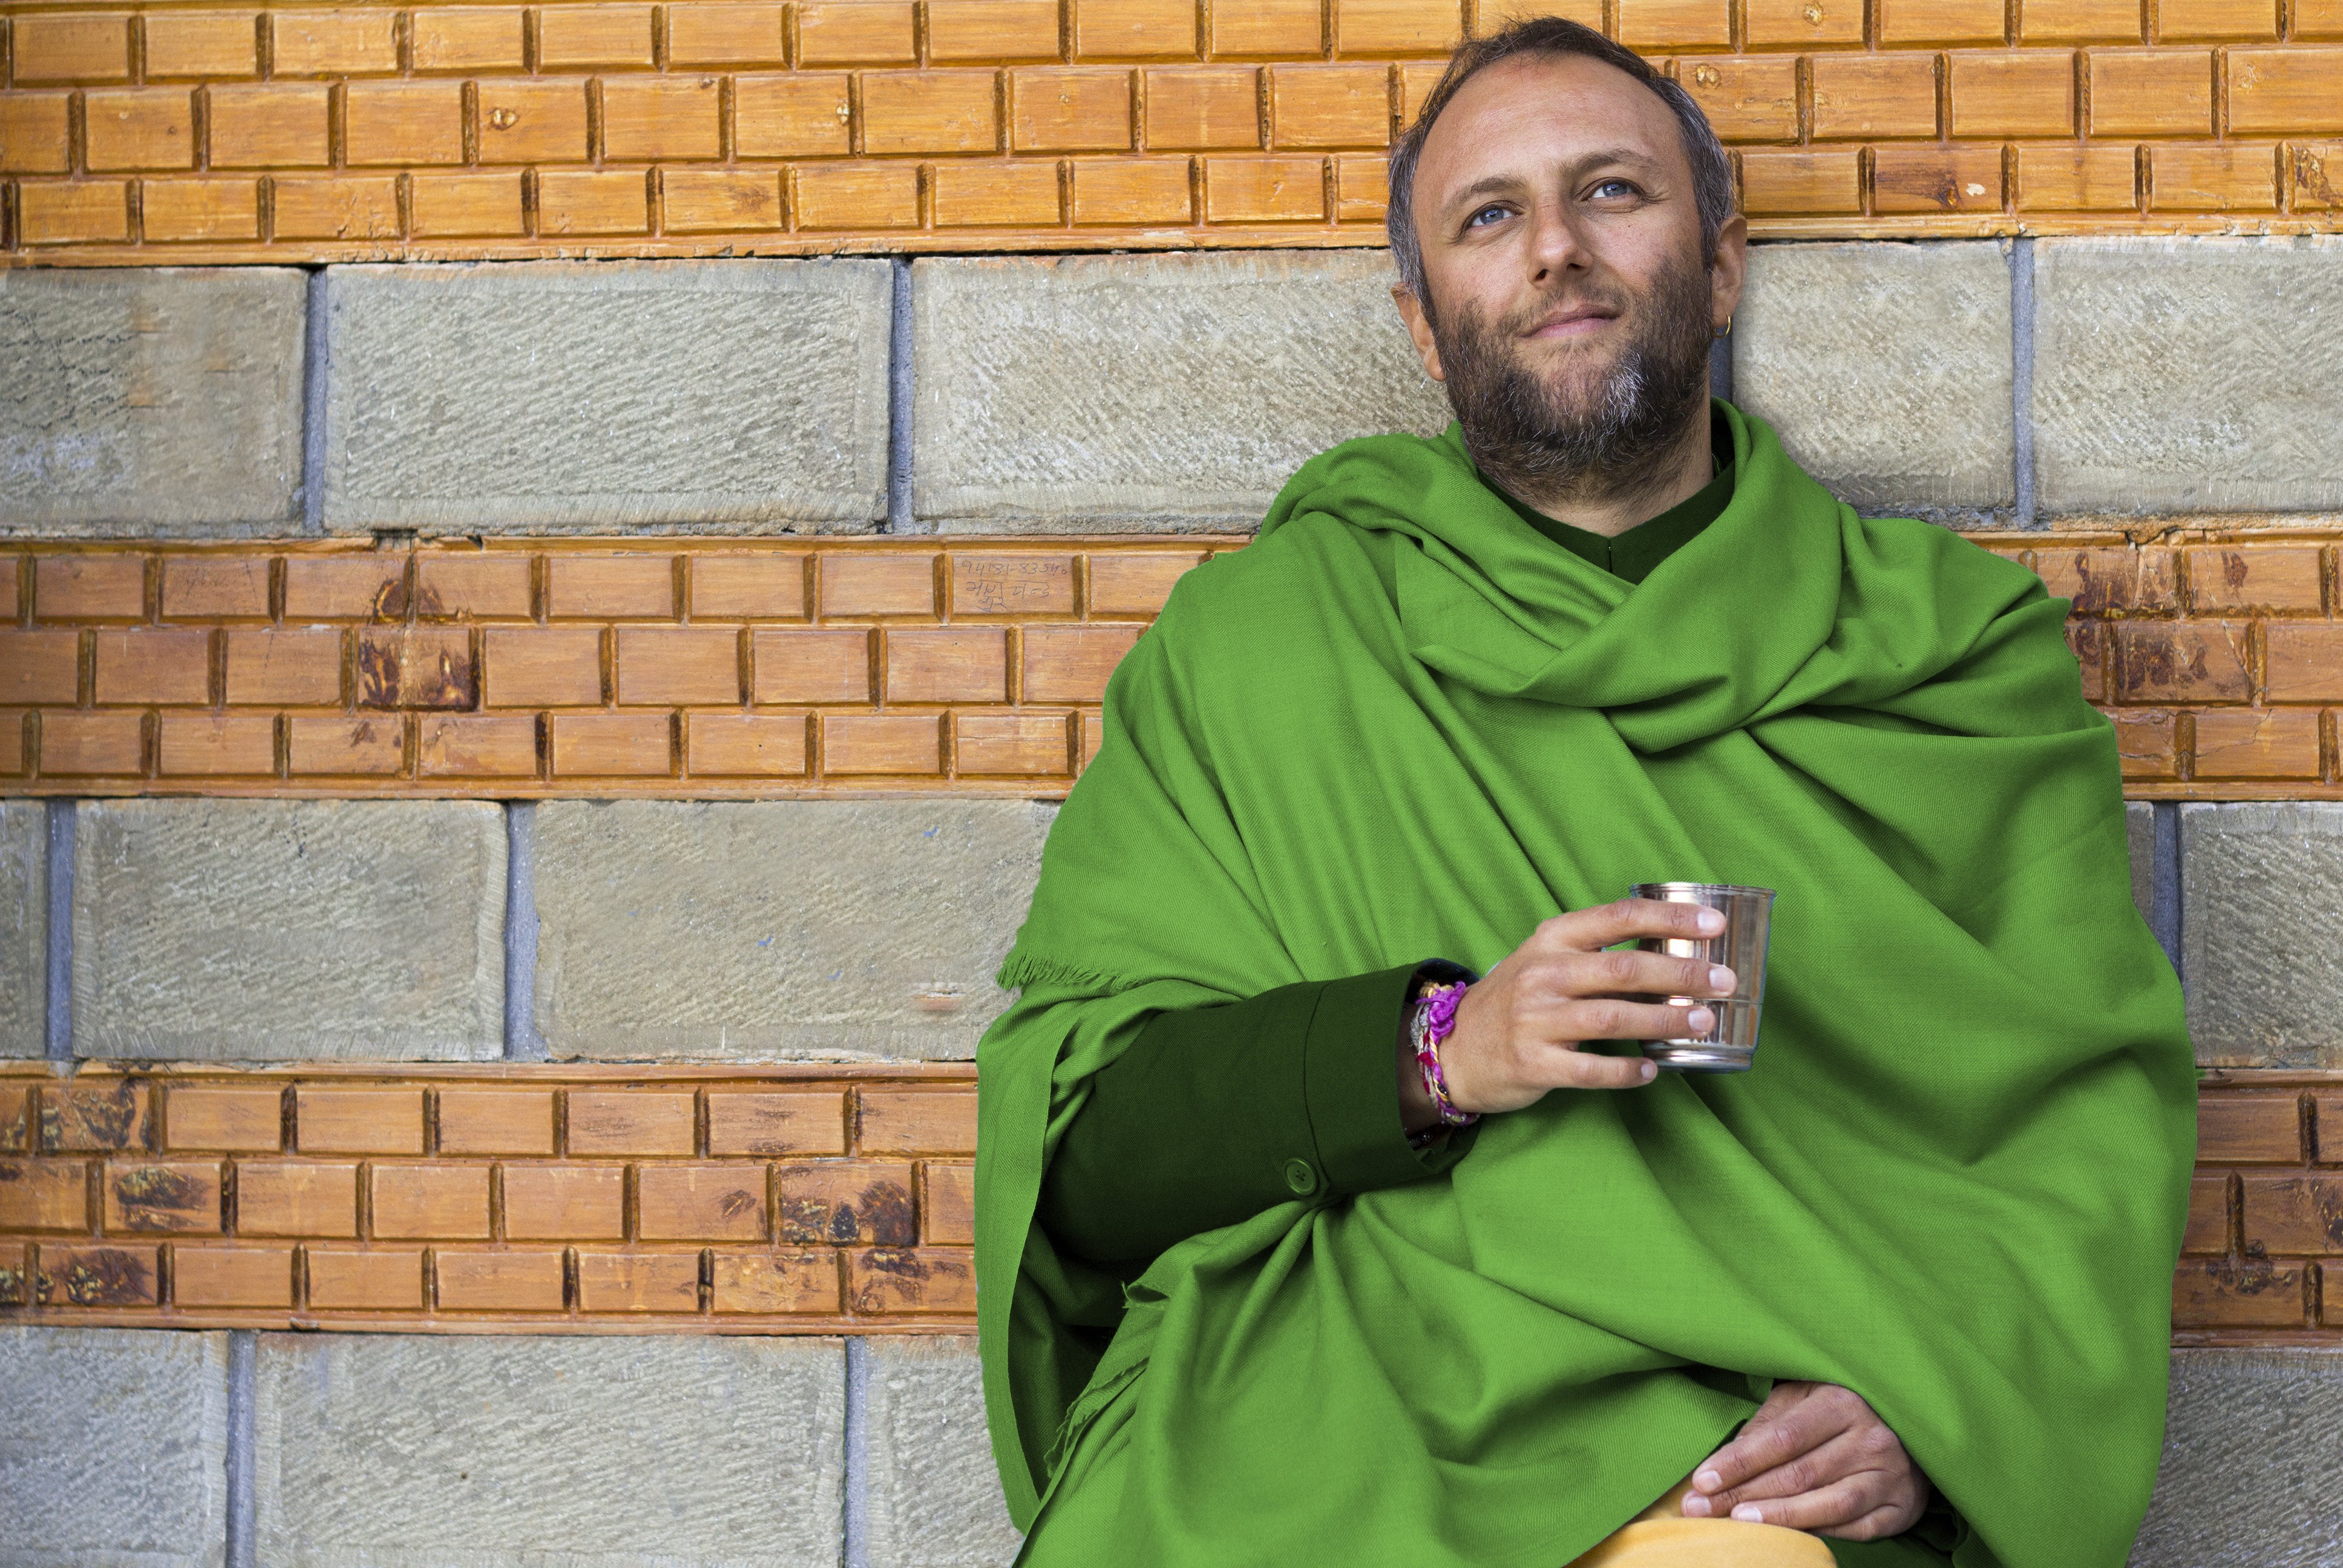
pixel 1711 173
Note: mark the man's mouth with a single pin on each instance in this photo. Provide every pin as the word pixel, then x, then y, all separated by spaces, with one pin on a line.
pixel 1575 321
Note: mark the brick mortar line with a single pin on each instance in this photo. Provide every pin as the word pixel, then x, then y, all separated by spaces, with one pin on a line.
pixel 854 1524
pixel 900 372
pixel 315 364
pixel 2022 308
pixel 58 1023
pixel 522 1042
pixel 243 1435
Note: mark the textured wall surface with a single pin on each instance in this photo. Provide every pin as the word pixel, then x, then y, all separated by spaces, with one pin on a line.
pixel 2265 932
pixel 2253 1454
pixel 933 1497
pixel 24 927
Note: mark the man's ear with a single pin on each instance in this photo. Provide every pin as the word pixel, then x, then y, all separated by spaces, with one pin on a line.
pixel 1419 327
pixel 1729 272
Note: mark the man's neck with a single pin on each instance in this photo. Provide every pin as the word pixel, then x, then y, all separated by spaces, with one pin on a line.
pixel 1609 506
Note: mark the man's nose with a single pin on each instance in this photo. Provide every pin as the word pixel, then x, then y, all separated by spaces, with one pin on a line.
pixel 1555 244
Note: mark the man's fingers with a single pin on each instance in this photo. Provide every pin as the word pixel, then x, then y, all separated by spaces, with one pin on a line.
pixel 1790 1423
pixel 1609 1017
pixel 1631 971
pixel 1568 1068
pixel 1839 1457
pixel 1619 922
pixel 1831 1507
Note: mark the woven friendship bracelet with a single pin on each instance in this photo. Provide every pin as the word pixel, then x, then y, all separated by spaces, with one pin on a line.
pixel 1432 1020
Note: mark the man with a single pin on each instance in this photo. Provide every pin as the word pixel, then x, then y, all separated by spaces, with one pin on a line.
pixel 1252 1294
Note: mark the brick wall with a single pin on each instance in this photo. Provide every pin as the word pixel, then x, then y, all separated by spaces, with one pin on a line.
pixel 515 779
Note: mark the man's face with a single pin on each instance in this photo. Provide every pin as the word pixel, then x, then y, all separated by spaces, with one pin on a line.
pixel 1570 311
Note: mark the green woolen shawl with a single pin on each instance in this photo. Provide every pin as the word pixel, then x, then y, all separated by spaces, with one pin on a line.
pixel 1403 724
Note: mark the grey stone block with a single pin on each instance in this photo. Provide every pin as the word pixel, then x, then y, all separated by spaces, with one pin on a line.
pixel 2189 374
pixel 781 928
pixel 2139 837
pixel 1886 370
pixel 114 1452
pixel 933 1497
pixel 2262 932
pixel 2253 1462
pixel 276 928
pixel 714 397
pixel 431 1451
pixel 24 927
pixel 1133 392
pixel 150 401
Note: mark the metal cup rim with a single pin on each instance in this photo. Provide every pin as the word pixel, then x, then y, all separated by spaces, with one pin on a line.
pixel 1644 889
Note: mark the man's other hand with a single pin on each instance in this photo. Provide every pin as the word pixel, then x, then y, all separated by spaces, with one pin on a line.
pixel 1815 1457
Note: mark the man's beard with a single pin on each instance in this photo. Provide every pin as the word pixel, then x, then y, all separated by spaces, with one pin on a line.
pixel 1551 436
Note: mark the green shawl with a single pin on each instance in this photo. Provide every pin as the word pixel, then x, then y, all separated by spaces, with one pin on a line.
pixel 1401 724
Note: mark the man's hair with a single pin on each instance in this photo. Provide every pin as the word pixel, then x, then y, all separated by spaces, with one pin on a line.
pixel 1711 175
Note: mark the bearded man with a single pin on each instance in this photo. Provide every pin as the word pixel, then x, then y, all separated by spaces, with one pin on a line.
pixel 1260 1286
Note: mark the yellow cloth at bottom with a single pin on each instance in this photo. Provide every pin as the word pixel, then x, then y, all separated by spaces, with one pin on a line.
pixel 1661 1537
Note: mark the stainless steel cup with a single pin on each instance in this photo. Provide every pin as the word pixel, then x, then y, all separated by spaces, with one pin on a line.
pixel 1731 1042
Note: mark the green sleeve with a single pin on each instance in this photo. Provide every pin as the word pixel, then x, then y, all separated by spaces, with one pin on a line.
pixel 1215 1113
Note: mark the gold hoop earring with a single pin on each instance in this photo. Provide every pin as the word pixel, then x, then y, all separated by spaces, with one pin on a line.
pixel 1723 331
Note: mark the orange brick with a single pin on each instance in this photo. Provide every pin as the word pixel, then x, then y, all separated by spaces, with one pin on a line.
pixel 970 30
pixel 624 1121
pixel 565 1202
pixel 2094 178
pixel 1396 26
pixel 87 744
pixel 1330 105
pixel 176 1197
pixel 998 582
pixel 297 1198
pixel 1657 24
pixel 2195 661
pixel 2315 174
pixel 855 32
pixel 1020 193
pixel 1869 95
pixel 1071 109
pixel 496 1122
pixel 701 1202
pixel 94 1118
pixel 2087 639
pixel 357 1120
pixel 720 201
pixel 450 746
pixel 638 745
pixel 2111 581
pixel 342 42
pixel 2214 20
pixel 1204 107
pixel 2013 93
pixel 2326 1138
pixel 2249 1129
pixel 2208 1227
pixel 83 213
pixel 200 209
pixel 532 122
pixel 72 47
pixel 374 747
pixel 201 43
pixel 792 116
pixel 419 667
pixel 1071 664
pixel 876 584
pixel 91 1276
pixel 2151 92
pixel 1263 190
pixel 15 1118
pixel 1011 743
pixel 1747 99
pixel 638 1281
pixel 2302 663
pixel 2081 21
pixel 928 112
pixel 882 743
pixel 2293 1213
pixel 15 742
pixel 2318 18
pixel 764 1122
pixel 947 1201
pixel 12 577
pixel 340 588
pixel 543 668
pixel 1791 182
pixel 947 664
pixel 350 1279
pixel 2285 91
pixel 40 665
pixel 776 1282
pixel 856 196
pixel 277 667
pixel 402 122
pixel 195 745
pixel 89 588
pixel 1362 187
pixel 1904 23
pixel 915 1121
pixel 467 37
pixel 883 1281
pixel 351 209
pixel 1132 191
pixel 2147 744
pixel 1136 584
pixel 1135 29
pixel 139 129
pixel 2232 178
pixel 44 1195
pixel 1415 84
pixel 1268 28
pixel 472 586
pixel 415 1202
pixel 2276 579
pixel 218 588
pixel 14 1266
pixel 510 1280
pixel 1935 179
pixel 723 35
pixel 34 132
pixel 847 1203
pixel 154 665
pixel 746 746
pixel 748 588
pixel 651 117
pixel 239 1121
pixel 577 35
pixel 269 126
pixel 604 587
pixel 232 1276
pixel 592 201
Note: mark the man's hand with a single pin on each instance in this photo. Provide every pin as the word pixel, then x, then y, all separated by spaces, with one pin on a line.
pixel 1815 1457
pixel 1519 1028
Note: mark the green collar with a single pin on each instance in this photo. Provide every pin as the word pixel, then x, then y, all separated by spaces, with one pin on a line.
pixel 1637 553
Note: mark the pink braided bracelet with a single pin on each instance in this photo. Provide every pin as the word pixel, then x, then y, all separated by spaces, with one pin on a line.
pixel 1432 1020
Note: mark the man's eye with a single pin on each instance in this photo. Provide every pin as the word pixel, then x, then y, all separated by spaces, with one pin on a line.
pixel 1486 215
pixel 1609 188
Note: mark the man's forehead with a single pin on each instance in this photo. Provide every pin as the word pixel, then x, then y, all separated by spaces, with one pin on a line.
pixel 1525 113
